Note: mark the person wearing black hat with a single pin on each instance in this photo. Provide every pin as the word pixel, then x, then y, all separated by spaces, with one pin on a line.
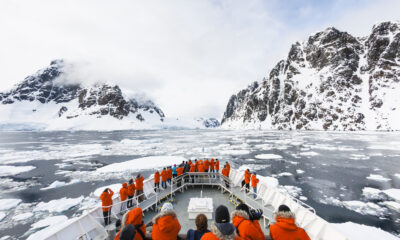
pixel 246 223
pixel 285 226
pixel 221 229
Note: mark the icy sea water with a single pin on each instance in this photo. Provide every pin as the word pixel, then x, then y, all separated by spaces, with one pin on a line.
pixel 328 169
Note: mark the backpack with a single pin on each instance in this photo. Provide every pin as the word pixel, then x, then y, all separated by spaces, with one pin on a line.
pixel 129 232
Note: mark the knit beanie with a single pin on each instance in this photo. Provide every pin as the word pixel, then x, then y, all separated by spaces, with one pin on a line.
pixel 167 206
pixel 243 207
pixel 222 214
pixel 283 208
pixel 127 233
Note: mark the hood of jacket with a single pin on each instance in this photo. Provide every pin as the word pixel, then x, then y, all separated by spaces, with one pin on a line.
pixel 238 216
pixel 133 217
pixel 125 185
pixel 224 231
pixel 165 221
pixel 286 220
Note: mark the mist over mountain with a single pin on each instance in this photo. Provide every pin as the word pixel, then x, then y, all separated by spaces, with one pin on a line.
pixel 332 81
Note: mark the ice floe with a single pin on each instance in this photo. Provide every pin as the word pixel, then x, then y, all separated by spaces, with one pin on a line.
pixel 359 157
pixel 9 203
pixel 392 205
pixel 393 193
pixel 354 231
pixel 291 190
pixel 142 163
pixel 285 174
pixel 368 208
pixel 299 171
pixel 234 152
pixel 309 154
pixel 58 205
pixel 2 216
pixel 14 170
pixel 268 156
pixel 58 184
pixel 253 167
pixel 22 216
pixel 378 178
pixel 372 194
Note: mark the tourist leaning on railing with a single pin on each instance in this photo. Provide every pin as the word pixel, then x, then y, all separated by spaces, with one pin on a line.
pixel 107 202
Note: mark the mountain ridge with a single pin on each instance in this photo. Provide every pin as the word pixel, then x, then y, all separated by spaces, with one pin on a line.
pixel 331 81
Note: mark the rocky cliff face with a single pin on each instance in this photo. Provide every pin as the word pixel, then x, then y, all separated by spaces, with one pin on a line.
pixel 75 100
pixel 332 81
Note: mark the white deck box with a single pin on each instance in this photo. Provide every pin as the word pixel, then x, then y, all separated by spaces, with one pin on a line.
pixel 200 205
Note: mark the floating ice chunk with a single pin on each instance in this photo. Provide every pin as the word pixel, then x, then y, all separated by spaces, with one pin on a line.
pixel 393 193
pixel 309 154
pixel 58 184
pixel 359 157
pixel 253 167
pixel 365 208
pixel 372 193
pixel 355 231
pixel 2 216
pixel 49 221
pixel 397 175
pixel 268 156
pixel 285 174
pixel 8 203
pixel 378 178
pixel 268 181
pixel 22 216
pixel 234 152
pixel 299 171
pixel 58 205
pixel 142 163
pixel 303 198
pixel 13 170
pixel 292 190
pixel 114 187
pixel 392 205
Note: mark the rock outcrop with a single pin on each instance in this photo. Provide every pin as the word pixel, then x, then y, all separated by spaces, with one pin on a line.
pixel 332 81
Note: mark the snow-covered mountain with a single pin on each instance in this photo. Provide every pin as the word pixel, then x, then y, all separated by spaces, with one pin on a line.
pixel 332 81
pixel 42 101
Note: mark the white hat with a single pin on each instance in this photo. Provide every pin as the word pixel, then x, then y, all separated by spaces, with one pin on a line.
pixel 167 206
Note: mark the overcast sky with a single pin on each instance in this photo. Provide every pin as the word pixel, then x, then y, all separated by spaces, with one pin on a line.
pixel 189 56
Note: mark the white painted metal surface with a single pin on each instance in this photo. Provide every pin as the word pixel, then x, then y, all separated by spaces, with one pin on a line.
pixel 200 205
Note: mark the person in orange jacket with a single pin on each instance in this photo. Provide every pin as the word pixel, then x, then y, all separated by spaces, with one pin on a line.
pixel 135 218
pixel 139 187
pixel 169 171
pixel 165 224
pixel 106 203
pixel 221 229
pixel 212 165
pixel 156 181
pixel 123 195
pixel 228 167
pixel 254 182
pixel 217 165
pixel 247 227
pixel 131 193
pixel 226 174
pixel 200 167
pixel 206 165
pixel 247 176
pixel 164 178
pixel 179 170
pixel 285 226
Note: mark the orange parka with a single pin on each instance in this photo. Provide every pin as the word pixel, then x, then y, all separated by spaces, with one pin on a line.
pixel 215 232
pixel 217 165
pixel 212 164
pixel 200 168
pixel 131 190
pixel 247 177
pixel 156 177
pixel 206 165
pixel 179 171
pixel 164 175
pixel 192 168
pixel 106 200
pixel 133 217
pixel 169 171
pixel 254 181
pixel 123 192
pixel 248 230
pixel 225 172
pixel 165 226
pixel 139 183
pixel 286 229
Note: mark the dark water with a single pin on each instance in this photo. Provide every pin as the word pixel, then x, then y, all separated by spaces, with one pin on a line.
pixel 335 165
